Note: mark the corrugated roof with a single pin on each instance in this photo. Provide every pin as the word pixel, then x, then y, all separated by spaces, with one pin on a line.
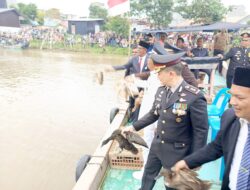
pixel 87 19
pixel 6 10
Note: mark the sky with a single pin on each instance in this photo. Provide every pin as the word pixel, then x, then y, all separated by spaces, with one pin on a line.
pixel 76 7
pixel 80 7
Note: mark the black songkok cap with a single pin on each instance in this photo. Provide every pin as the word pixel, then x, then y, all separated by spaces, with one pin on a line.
pixel 144 44
pixel 242 77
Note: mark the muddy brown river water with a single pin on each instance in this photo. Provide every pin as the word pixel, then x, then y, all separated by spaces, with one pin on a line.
pixel 51 113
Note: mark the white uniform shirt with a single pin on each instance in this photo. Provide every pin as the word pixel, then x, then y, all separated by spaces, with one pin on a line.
pixel 150 88
pixel 239 148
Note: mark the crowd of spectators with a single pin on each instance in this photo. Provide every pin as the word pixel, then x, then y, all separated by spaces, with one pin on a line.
pixel 57 35
pixel 100 39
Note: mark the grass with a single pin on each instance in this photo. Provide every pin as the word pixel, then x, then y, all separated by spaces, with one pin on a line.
pixel 36 44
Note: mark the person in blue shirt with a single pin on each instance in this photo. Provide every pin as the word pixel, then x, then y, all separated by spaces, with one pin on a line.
pixel 150 39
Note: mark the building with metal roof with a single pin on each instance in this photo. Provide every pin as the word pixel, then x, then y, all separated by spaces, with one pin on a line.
pixel 9 18
pixel 84 26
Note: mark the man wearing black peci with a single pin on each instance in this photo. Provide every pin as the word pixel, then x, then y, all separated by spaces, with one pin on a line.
pixel 233 139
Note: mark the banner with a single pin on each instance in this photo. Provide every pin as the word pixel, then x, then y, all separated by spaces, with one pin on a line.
pixel 118 7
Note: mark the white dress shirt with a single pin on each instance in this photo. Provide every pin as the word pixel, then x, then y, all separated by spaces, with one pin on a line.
pixel 178 83
pixel 239 148
pixel 142 62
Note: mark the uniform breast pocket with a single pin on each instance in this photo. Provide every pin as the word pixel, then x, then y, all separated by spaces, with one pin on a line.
pixel 181 149
pixel 179 145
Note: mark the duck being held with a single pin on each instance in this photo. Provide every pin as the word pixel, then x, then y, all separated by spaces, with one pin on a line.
pixel 185 179
pixel 126 141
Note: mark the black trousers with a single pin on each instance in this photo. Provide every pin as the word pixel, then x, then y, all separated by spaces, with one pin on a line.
pixel 229 80
pixel 151 171
pixel 216 52
pixel 134 115
pixel 196 73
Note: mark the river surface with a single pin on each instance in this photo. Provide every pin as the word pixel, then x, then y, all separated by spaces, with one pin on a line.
pixel 51 113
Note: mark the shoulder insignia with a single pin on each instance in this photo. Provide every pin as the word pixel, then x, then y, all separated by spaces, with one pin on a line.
pixel 192 89
pixel 180 89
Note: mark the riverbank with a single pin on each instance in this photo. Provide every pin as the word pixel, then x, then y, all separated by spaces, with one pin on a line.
pixel 95 49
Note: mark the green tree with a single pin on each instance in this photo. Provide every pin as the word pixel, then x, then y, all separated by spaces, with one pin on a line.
pixel 119 25
pixel 40 16
pixel 201 11
pixel 158 12
pixel 28 11
pixel 53 13
pixel 96 11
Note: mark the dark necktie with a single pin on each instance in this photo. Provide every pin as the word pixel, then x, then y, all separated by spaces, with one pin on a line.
pixel 168 94
pixel 243 181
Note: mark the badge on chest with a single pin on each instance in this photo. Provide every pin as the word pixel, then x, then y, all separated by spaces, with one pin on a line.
pixel 179 109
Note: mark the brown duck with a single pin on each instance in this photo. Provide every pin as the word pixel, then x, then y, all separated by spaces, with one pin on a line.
pixel 127 141
pixel 183 180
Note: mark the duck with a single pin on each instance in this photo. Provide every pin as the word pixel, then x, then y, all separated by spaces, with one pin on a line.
pixel 185 179
pixel 126 141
